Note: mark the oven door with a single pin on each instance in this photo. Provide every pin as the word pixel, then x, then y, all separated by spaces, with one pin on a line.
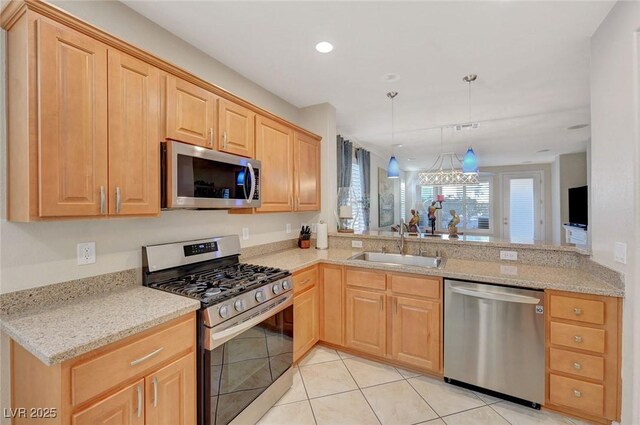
pixel 196 177
pixel 241 360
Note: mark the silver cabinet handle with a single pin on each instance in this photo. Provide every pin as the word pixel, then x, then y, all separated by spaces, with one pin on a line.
pixel 577 338
pixel 146 357
pixel 577 393
pixel 118 199
pixel 155 391
pixel 224 140
pixel 211 137
pixel 103 200
pixel 577 366
pixel 577 311
pixel 139 391
pixel 494 295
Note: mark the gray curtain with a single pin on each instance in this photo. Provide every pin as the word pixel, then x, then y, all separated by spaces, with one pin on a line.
pixel 345 155
pixel 364 163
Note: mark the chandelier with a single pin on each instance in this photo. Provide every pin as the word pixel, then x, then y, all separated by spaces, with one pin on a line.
pixel 447 170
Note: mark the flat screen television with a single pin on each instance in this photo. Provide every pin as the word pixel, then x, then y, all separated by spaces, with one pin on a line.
pixel 579 206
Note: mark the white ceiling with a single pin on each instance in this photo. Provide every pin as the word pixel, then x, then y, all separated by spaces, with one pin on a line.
pixel 532 59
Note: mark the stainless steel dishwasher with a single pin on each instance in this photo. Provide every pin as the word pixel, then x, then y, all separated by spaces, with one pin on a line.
pixel 494 339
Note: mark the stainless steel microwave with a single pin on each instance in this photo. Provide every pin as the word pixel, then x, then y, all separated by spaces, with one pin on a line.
pixel 196 177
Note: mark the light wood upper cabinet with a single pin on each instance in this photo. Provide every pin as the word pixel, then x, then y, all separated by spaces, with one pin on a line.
pixel 366 328
pixel 126 407
pixel 134 141
pixel 190 113
pixel 274 148
pixel 307 325
pixel 306 173
pixel 332 304
pixel 416 332
pixel 236 129
pixel 72 81
pixel 171 395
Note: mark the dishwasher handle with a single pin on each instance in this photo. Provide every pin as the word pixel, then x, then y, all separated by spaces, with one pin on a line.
pixel 495 296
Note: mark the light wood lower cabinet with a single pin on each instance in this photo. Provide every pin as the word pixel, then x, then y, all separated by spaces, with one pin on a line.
pixel 149 378
pixel 306 329
pixel 415 332
pixel 331 304
pixel 366 321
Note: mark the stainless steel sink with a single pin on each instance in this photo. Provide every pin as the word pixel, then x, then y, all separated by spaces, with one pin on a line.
pixel 400 260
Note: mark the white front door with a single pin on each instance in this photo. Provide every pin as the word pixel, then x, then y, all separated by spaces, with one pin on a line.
pixel 522 206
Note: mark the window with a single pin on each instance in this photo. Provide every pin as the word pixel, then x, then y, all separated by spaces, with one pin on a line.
pixel 403 199
pixel 471 202
pixel 357 206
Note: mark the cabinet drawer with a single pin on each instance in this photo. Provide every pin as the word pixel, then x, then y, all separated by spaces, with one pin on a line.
pixel 418 286
pixel 578 337
pixel 578 364
pixel 366 279
pixel 576 394
pixel 93 377
pixel 578 309
pixel 305 279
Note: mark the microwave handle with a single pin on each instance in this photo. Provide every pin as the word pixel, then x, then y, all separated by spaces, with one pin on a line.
pixel 253 182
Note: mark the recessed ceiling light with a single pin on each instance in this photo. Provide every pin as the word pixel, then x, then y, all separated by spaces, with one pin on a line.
pixel 397 145
pixel 411 159
pixel 577 127
pixel 390 78
pixel 543 150
pixel 324 47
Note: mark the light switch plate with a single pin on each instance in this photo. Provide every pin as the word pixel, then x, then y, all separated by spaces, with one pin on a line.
pixel 356 244
pixel 245 233
pixel 288 228
pixel 509 255
pixel 86 253
pixel 620 252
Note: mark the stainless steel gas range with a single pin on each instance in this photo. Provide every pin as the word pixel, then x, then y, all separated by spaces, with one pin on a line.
pixel 245 324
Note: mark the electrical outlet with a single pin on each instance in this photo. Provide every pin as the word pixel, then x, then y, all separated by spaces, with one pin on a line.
pixel 356 244
pixel 314 227
pixel 509 255
pixel 620 252
pixel 510 270
pixel 288 228
pixel 86 253
pixel 245 233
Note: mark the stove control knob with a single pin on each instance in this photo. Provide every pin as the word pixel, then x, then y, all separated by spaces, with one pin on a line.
pixel 259 296
pixel 276 289
pixel 224 312
pixel 286 285
pixel 239 305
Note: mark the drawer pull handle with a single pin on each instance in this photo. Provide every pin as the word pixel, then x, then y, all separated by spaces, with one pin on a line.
pixel 147 357
pixel 577 366
pixel 577 311
pixel 577 393
pixel 577 339
pixel 304 282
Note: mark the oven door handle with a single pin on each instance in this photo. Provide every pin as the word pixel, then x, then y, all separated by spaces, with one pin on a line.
pixel 253 182
pixel 216 339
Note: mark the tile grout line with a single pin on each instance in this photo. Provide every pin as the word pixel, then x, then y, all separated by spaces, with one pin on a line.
pixel 498 413
pixel 360 389
pixel 307 394
pixel 425 400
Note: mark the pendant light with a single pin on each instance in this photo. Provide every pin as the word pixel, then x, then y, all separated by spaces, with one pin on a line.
pixel 469 161
pixel 393 170
pixel 445 170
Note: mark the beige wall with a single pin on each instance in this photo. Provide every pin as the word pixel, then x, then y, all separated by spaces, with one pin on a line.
pixel 615 175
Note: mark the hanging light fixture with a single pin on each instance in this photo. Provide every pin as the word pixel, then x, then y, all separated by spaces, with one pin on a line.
pixel 393 170
pixel 469 162
pixel 446 170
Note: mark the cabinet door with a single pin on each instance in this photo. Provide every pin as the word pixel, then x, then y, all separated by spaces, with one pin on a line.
pixel 171 394
pixel 274 148
pixel 366 321
pixel 332 326
pixel 126 407
pixel 236 129
pixel 72 83
pixel 191 113
pixel 306 324
pixel 307 173
pixel 134 143
pixel 416 332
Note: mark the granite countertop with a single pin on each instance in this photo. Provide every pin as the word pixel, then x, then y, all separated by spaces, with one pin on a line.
pixel 540 277
pixel 70 329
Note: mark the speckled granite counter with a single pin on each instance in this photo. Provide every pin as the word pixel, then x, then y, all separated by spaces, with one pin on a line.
pixel 64 331
pixel 531 276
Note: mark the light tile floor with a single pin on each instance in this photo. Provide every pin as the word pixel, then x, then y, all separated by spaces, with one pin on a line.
pixel 336 388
